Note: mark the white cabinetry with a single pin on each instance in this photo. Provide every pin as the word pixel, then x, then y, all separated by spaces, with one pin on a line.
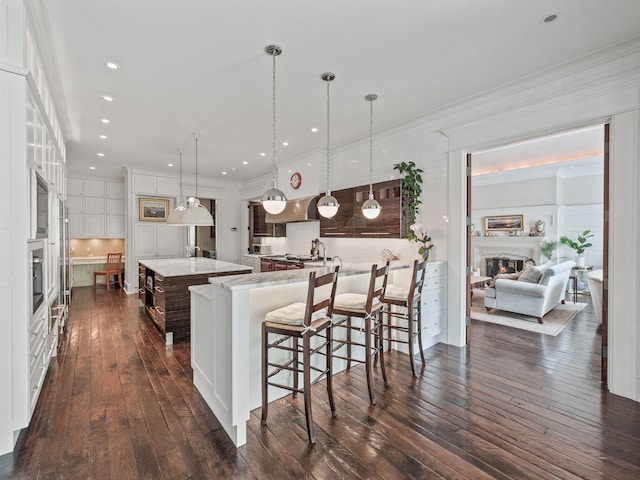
pixel 156 240
pixel 252 261
pixel 96 208
pixel 433 299
pixel 155 185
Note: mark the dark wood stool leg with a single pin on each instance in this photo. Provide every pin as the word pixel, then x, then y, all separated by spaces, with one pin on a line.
pixel 294 344
pixel 419 325
pixel 367 361
pixel 389 331
pixel 380 346
pixel 265 372
pixel 306 358
pixel 348 342
pixel 329 354
pixel 410 339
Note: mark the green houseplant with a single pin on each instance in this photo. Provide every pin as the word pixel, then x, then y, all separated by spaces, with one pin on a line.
pixel 579 245
pixel 411 195
pixel 548 248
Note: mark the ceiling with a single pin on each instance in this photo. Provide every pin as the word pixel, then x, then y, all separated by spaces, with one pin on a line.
pixel 200 66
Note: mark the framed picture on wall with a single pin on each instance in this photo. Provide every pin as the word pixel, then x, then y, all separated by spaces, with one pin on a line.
pixel 154 209
pixel 498 223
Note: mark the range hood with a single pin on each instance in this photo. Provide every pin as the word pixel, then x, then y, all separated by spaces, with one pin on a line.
pixel 299 210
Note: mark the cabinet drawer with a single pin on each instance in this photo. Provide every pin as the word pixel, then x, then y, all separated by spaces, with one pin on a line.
pixel 36 332
pixel 159 297
pixel 432 282
pixel 36 357
pixel 434 270
pixel 432 300
pixel 160 318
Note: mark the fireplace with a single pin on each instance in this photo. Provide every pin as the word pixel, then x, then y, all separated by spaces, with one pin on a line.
pixel 497 265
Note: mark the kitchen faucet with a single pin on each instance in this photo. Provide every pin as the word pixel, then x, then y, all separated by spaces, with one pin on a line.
pixel 324 253
pixel 336 257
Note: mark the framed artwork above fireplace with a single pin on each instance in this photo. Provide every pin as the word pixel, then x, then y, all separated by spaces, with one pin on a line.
pixel 497 223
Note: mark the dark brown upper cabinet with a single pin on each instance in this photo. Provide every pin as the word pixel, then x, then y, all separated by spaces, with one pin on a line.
pixel 259 227
pixel 349 222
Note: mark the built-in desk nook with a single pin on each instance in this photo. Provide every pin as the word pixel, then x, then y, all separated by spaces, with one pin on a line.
pixel 164 290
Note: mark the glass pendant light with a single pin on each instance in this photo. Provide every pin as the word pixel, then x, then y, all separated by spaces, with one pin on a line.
pixel 371 208
pixel 328 205
pixel 274 200
pixel 196 214
pixel 175 217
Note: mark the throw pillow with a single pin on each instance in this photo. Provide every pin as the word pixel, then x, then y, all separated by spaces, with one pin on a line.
pixel 531 275
pixel 509 276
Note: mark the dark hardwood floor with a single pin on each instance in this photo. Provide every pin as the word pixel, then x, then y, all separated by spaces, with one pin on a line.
pixel 117 403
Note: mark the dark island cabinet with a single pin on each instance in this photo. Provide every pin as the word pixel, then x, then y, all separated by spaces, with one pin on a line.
pixel 349 222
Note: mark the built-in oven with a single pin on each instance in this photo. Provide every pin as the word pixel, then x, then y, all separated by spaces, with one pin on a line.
pixel 39 207
pixel 37 278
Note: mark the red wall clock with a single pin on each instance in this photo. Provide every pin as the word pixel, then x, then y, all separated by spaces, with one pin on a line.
pixel 296 181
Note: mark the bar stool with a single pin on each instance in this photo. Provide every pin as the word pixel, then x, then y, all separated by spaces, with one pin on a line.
pixel 369 308
pixel 301 321
pixel 409 321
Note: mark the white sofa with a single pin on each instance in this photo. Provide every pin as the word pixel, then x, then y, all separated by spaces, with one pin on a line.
pixel 594 279
pixel 533 299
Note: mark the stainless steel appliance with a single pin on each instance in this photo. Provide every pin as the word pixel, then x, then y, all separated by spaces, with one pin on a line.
pixel 61 307
pixel 37 277
pixel 39 207
pixel 260 249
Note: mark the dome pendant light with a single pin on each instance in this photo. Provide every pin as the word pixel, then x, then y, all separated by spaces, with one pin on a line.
pixel 197 214
pixel 371 208
pixel 328 205
pixel 274 200
pixel 175 217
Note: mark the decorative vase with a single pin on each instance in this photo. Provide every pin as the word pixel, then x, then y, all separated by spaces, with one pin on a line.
pixel 580 261
pixel 425 255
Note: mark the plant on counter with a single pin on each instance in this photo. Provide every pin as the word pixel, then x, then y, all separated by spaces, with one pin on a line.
pixel 418 235
pixel 411 194
pixel 548 248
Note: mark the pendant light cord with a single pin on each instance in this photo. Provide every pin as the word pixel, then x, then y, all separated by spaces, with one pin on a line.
pixel 328 137
pixel 273 106
pixel 196 137
pixel 180 152
pixel 370 148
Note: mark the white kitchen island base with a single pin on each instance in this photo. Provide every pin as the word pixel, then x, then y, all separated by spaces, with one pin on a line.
pixel 226 319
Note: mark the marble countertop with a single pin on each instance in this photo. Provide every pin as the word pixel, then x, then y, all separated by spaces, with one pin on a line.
pixel 268 279
pixel 89 260
pixel 177 267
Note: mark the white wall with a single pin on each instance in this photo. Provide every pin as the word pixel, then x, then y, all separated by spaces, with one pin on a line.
pixel 513 194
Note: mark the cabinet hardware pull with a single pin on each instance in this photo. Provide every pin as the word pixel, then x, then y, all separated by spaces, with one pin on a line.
pixel 160 310
pixel 159 289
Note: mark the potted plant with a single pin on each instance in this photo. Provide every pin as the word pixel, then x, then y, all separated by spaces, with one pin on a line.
pixel 579 245
pixel 411 194
pixel 548 248
pixel 418 235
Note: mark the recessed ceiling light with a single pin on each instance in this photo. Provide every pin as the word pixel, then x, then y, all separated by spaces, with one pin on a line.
pixel 112 65
pixel 314 129
pixel 233 169
pixel 101 154
pixel 286 144
pixel 103 137
pixel 263 154
pixel 550 18
pixel 92 168
pixel 308 164
pixel 245 163
pixel 224 173
pixel 169 164
pixel 107 98
pixel 105 120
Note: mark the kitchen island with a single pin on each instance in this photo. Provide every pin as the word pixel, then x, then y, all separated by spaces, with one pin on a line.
pixel 226 329
pixel 164 290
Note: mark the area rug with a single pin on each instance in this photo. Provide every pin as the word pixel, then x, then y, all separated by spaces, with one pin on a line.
pixel 554 321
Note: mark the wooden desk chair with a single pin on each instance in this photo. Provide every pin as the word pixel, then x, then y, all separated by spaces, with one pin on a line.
pixel 369 308
pixel 114 267
pixel 301 321
pixel 407 313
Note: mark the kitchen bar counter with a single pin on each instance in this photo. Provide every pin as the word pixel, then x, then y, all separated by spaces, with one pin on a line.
pixel 226 319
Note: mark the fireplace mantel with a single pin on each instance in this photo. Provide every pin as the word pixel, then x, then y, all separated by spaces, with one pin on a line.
pixel 521 248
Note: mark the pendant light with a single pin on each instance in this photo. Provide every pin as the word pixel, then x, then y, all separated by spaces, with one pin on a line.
pixel 196 214
pixel 274 200
pixel 371 208
pixel 328 205
pixel 175 217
